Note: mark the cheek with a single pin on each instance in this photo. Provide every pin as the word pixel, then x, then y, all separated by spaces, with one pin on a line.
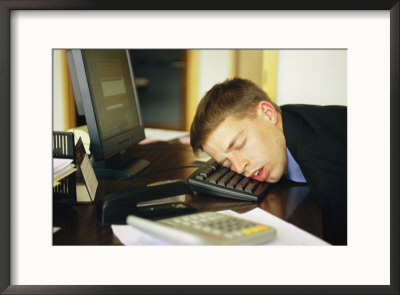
pixel 266 145
pixel 256 150
pixel 273 151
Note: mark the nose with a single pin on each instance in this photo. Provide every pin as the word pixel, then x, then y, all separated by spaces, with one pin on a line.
pixel 239 164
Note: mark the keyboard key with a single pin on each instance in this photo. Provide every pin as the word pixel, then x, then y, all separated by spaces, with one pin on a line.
pixel 224 180
pixel 204 174
pixel 251 186
pixel 216 176
pixel 241 185
pixel 207 172
pixel 232 183
pixel 214 179
pixel 200 177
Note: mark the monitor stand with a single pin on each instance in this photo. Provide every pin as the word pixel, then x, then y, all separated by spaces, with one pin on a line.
pixel 119 167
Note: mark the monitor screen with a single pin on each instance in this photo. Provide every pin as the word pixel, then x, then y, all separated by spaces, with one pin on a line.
pixel 105 93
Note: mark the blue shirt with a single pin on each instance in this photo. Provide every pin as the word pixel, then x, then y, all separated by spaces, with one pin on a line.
pixel 293 169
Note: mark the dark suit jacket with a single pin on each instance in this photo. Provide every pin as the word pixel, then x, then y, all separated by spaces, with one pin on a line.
pixel 317 139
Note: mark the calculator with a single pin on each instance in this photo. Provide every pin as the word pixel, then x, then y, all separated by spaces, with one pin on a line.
pixel 206 228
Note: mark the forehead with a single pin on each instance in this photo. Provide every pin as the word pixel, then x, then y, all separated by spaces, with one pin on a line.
pixel 220 138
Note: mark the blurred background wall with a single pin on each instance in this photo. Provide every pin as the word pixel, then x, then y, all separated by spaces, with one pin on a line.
pixel 170 82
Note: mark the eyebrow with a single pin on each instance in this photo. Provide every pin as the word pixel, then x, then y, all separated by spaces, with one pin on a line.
pixel 233 141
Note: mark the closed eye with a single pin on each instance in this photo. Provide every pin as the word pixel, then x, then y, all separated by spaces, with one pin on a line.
pixel 242 144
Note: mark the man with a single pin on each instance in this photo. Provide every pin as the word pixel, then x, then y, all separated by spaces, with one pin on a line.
pixel 240 127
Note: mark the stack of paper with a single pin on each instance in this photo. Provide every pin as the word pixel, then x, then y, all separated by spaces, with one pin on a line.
pixel 61 169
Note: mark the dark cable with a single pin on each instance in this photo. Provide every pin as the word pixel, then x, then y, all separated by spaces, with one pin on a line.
pixel 165 170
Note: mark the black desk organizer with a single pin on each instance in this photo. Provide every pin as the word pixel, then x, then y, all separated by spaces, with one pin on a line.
pixel 64 147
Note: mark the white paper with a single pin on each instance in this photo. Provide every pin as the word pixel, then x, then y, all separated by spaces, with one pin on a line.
pixel 164 134
pixel 287 233
pixel 59 164
pixel 131 236
pixel 61 168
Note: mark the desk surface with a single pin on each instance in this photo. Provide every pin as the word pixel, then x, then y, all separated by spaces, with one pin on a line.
pixel 172 161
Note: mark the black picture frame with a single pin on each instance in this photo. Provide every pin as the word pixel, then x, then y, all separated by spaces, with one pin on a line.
pixel 5 252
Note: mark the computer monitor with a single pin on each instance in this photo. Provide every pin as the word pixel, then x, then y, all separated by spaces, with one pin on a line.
pixel 105 93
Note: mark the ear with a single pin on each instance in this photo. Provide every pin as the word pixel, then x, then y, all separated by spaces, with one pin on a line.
pixel 266 109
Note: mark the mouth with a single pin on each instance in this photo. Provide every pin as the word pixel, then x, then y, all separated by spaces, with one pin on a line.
pixel 258 174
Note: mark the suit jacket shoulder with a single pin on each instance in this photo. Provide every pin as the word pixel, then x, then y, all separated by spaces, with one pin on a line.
pixel 317 138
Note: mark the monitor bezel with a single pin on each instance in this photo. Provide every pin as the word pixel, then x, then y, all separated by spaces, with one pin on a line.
pixel 100 148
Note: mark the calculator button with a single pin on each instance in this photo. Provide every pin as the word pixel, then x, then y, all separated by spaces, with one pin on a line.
pixel 261 228
pixel 237 233
pixel 216 232
pixel 207 229
pixel 246 231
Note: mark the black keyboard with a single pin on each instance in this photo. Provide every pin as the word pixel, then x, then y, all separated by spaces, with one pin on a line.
pixel 214 179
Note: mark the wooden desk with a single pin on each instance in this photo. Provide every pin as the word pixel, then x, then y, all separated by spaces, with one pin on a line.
pixel 80 227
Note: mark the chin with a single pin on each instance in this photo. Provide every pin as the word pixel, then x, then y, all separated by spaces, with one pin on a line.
pixel 272 180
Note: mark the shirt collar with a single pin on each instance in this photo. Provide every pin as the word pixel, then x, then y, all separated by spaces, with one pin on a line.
pixel 293 169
